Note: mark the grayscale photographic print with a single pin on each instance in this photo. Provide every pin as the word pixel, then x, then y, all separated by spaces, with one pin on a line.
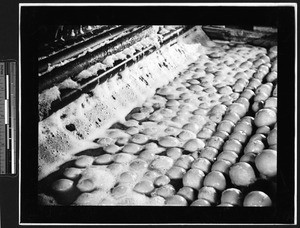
pixel 158 115
pixel 173 119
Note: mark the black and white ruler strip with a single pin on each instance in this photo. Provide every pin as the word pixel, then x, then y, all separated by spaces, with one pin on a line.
pixel 8 158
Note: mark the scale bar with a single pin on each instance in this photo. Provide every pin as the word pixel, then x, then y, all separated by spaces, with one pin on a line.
pixel 8 154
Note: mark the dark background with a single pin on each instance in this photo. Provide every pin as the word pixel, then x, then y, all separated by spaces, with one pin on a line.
pixel 34 18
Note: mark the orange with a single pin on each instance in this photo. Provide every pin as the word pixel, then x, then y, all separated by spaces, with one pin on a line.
pixel 272 76
pixel 257 199
pixel 232 196
pixel 232 116
pixel 216 180
pixel 265 88
pixel 209 153
pixel 187 192
pixel 62 185
pixel 85 185
pixel 176 172
pixel 168 141
pixel 72 173
pixel 248 119
pixel 243 126
pixel 263 130
pixel 258 136
pixel 225 205
pixel 139 164
pixel 247 93
pixel 201 203
pixel 84 161
pixel 275 91
pixel 266 163
pixel 265 58
pixel 255 146
pixel 237 108
pixel 174 153
pixel 271 102
pixel 254 83
pixel 164 191
pixel 214 142
pixel 193 178
pixel 221 166
pixel 103 159
pixel 139 138
pixel 272 137
pixel 257 105
pixel 240 75
pixel 265 117
pixel 176 200
pixel 112 148
pixel 228 156
pixel 239 136
pixel 144 186
pixel 242 174
pixel 132 148
pixel 211 125
pixel 233 145
pixel 161 163
pixel 258 62
pixel 261 96
pixel 128 176
pixel 185 161
pixel 249 158
pixel 221 134
pixel 119 191
pixel 238 87
pixel 244 101
pixel 259 75
pixel 264 69
pixel 208 193
pixel 225 125
pixel 205 133
pixel 194 145
pixel 202 164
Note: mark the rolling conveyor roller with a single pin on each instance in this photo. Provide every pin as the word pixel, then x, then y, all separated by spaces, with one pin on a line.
pixel 59 38
pixel 75 67
pixel 79 47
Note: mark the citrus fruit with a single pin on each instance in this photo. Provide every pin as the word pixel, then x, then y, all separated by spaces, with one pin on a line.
pixel 216 180
pixel 272 137
pixel 265 117
pixel 176 200
pixel 257 199
pixel 232 196
pixel 62 185
pixel 221 166
pixel 208 193
pixel 228 156
pixel 201 203
pixel 266 163
pixel 242 174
